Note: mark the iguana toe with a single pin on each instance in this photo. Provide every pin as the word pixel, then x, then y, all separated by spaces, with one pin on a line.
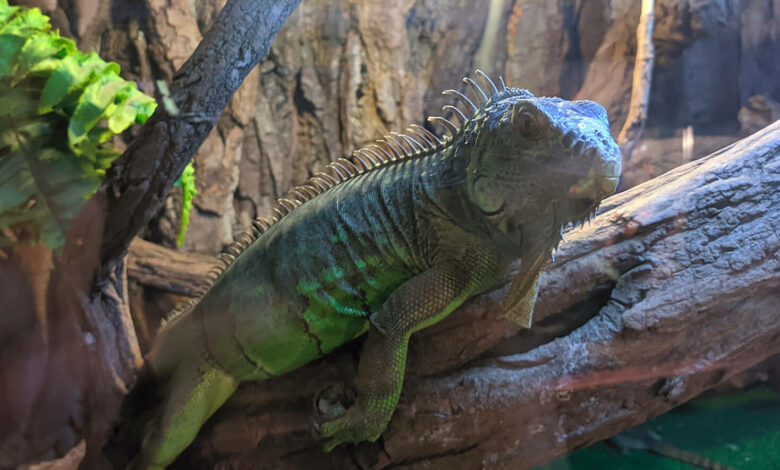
pixel 355 425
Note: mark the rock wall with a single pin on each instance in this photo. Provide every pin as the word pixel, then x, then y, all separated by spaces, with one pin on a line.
pixel 344 72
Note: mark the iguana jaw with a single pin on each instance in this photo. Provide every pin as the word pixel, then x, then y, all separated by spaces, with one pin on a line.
pixel 594 188
pixel 583 197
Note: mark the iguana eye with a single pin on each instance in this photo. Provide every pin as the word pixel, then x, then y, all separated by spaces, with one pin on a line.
pixel 528 126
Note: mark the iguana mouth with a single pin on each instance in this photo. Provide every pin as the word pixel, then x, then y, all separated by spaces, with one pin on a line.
pixel 571 213
pixel 594 188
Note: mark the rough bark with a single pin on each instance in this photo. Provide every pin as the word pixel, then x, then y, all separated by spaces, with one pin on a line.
pixel 672 289
pixel 141 177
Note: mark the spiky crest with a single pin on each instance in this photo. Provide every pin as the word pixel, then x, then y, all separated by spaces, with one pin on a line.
pixel 416 141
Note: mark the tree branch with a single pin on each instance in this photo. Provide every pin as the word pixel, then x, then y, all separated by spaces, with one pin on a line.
pixel 674 288
pixel 138 181
pixel 170 270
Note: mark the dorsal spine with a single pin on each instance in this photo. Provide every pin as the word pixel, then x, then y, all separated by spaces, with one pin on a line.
pixel 416 141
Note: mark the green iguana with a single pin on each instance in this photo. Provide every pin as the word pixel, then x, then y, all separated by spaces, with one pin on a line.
pixel 386 243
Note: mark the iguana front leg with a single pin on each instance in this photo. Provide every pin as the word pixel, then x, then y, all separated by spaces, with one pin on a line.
pixel 419 302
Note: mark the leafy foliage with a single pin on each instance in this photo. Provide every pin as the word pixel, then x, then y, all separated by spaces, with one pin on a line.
pixel 58 109
pixel 187 183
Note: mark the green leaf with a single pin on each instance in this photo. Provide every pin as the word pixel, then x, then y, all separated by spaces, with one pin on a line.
pixel 41 53
pixel 10 45
pixel 6 12
pixel 25 22
pixel 100 134
pixel 123 117
pixel 16 183
pixel 187 183
pixel 15 103
pixel 47 194
pixel 94 104
pixel 16 26
pixel 136 108
pixel 72 73
pixel 58 109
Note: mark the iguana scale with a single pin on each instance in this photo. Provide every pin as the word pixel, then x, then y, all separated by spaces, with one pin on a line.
pixel 385 243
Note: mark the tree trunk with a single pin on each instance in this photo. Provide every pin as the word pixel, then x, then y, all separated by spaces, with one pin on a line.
pixel 673 288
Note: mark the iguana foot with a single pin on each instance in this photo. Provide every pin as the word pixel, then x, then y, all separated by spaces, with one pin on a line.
pixel 358 424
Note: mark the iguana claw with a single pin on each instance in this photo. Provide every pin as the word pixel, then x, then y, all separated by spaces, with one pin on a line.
pixel 356 425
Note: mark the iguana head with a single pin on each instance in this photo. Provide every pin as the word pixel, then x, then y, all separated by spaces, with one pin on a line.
pixel 536 164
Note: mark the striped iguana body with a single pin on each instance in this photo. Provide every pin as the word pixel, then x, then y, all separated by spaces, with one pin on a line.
pixel 385 243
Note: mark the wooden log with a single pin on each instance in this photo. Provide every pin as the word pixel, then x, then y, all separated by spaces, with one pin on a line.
pixel 170 270
pixel 672 289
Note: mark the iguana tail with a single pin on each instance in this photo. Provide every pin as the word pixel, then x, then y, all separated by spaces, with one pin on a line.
pixel 138 408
